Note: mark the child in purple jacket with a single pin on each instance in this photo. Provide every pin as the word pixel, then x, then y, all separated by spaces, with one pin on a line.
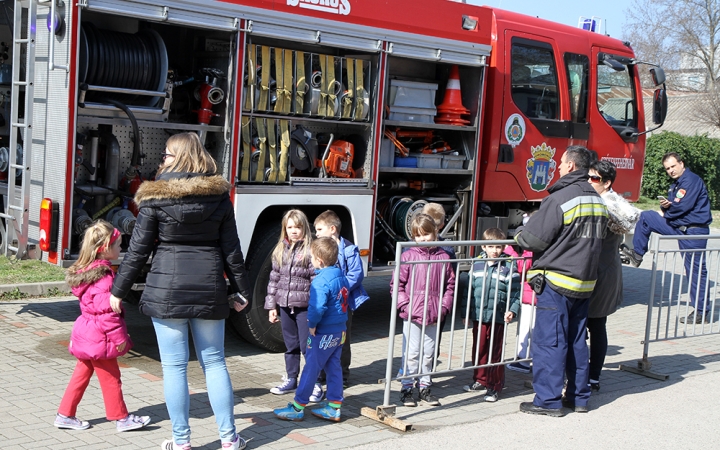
pixel 99 335
pixel 419 310
pixel 288 292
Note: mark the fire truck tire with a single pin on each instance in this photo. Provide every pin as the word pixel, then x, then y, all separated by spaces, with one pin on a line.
pixel 252 323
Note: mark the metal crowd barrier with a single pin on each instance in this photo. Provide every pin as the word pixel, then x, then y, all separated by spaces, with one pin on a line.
pixel 457 337
pixel 670 300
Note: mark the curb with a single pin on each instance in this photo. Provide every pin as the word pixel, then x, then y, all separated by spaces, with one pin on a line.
pixel 36 289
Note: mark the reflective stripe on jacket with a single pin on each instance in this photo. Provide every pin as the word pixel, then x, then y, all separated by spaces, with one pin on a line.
pixel 566 235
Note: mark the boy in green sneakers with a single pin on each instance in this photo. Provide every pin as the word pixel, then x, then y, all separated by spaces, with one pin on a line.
pixel 327 315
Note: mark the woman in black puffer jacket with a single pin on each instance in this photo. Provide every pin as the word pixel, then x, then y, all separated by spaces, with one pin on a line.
pixel 187 221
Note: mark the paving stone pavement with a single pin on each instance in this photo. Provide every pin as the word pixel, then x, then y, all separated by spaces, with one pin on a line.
pixel 36 368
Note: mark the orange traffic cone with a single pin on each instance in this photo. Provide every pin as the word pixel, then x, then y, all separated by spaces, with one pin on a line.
pixel 451 109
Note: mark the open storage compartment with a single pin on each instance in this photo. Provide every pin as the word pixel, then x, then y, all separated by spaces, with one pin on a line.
pixel 140 82
pixel 429 149
pixel 307 114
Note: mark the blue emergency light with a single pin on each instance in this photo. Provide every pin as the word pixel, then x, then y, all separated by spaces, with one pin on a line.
pixel 592 24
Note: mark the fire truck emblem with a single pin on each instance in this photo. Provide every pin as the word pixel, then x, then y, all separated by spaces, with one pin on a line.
pixel 515 129
pixel 328 6
pixel 541 167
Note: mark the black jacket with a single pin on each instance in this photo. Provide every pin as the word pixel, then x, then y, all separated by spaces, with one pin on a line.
pixel 566 236
pixel 187 219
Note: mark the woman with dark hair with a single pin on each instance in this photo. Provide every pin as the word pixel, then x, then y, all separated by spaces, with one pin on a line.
pixel 608 293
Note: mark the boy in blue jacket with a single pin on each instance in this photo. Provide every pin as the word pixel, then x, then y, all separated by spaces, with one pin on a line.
pixel 328 224
pixel 327 314
pixel 494 301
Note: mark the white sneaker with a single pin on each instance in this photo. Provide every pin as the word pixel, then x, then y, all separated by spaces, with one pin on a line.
pixel 168 444
pixel 238 444
pixel 289 385
pixel 318 394
pixel 70 423
pixel 475 387
pixel 132 422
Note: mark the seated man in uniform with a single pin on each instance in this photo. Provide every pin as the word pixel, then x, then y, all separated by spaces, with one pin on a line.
pixel 685 211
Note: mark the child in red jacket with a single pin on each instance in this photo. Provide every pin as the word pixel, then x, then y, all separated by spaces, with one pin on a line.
pixel 99 335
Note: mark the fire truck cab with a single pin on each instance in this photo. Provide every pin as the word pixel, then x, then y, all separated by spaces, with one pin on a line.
pixel 372 109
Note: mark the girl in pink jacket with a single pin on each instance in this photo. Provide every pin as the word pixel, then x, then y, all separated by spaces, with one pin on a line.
pixel 99 335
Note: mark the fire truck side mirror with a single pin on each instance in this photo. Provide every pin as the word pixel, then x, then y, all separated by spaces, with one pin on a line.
pixel 660 104
pixel 658 75
pixel 615 65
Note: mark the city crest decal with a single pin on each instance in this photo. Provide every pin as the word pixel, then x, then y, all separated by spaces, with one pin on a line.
pixel 541 167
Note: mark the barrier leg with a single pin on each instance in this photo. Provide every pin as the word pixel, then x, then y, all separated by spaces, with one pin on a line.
pixel 643 368
pixel 385 413
pixel 644 365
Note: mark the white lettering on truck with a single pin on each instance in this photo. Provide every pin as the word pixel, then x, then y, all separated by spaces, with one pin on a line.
pixel 329 6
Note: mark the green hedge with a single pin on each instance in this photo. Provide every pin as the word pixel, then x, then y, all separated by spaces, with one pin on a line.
pixel 700 153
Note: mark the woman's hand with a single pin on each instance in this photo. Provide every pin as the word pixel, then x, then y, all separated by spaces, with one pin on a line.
pixel 273 316
pixel 115 304
pixel 121 347
pixel 237 306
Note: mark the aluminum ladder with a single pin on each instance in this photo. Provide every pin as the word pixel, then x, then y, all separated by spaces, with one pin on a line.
pixel 16 215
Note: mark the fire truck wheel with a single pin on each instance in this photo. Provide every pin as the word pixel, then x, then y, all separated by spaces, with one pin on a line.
pixel 252 323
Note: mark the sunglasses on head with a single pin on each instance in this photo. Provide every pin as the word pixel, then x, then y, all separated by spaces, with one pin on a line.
pixel 595 178
pixel 167 155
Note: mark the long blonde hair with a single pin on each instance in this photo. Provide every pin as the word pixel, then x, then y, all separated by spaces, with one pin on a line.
pixel 300 218
pixel 190 155
pixel 96 236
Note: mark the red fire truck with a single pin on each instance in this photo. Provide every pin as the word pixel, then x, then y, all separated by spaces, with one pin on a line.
pixel 369 108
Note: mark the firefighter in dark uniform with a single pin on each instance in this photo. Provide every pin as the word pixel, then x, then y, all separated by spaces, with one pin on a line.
pixel 685 211
pixel 566 237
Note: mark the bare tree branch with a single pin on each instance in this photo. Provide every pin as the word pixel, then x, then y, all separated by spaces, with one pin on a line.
pixel 683 36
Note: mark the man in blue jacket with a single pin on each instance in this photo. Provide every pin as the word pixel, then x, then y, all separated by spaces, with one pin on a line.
pixel 565 236
pixel 685 211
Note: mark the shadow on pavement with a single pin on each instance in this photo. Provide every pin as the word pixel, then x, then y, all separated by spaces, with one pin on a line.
pixel 677 367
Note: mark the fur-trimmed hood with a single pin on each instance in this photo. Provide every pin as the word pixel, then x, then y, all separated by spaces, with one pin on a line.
pixel 174 186
pixel 622 215
pixel 91 274
pixel 81 281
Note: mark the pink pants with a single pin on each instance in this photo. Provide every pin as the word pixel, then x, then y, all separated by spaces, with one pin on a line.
pixel 108 373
